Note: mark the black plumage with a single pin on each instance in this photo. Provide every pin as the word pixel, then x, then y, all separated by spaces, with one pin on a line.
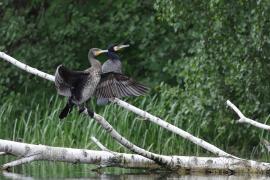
pixel 80 86
pixel 118 85
pixel 113 64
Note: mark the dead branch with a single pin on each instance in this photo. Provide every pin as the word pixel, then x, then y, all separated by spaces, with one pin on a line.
pixel 243 119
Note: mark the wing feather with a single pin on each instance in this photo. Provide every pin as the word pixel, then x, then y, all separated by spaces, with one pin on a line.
pixel 69 82
pixel 118 85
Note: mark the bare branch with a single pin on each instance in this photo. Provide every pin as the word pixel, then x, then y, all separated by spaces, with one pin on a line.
pixel 155 157
pixel 244 119
pixel 103 148
pixel 20 161
pixel 172 128
pixel 26 67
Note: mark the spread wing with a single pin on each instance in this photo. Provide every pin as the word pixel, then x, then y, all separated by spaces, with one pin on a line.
pixel 118 85
pixel 66 79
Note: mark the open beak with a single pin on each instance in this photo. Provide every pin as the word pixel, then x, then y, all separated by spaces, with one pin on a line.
pixel 119 47
pixel 100 52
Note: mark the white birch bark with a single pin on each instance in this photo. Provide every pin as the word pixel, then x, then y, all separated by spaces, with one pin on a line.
pixel 138 111
pixel 159 159
pixel 244 119
pixel 181 163
pixel 172 128
pixel 101 146
pixel 26 67
pixel 71 155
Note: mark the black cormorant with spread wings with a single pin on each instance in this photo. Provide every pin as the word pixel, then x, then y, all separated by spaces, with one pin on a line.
pixel 80 86
pixel 113 64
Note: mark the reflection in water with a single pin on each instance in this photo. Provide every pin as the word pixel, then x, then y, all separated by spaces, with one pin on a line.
pixel 146 176
pixel 10 175
pixel 65 171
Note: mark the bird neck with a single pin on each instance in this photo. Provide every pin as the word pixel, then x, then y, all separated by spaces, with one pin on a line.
pixel 113 56
pixel 94 62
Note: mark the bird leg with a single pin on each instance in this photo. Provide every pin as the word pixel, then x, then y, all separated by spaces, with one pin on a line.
pixel 67 109
pixel 85 110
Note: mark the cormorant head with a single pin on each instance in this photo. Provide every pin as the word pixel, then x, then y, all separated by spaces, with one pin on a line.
pixel 95 52
pixel 113 48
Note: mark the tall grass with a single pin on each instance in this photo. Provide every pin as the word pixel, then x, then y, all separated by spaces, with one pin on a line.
pixel 37 122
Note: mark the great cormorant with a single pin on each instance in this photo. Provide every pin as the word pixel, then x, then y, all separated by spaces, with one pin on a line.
pixel 80 86
pixel 113 64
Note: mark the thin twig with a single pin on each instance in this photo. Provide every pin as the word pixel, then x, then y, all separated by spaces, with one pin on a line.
pixel 101 146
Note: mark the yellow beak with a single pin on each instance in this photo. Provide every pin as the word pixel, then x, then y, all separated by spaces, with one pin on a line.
pixel 117 48
pixel 100 52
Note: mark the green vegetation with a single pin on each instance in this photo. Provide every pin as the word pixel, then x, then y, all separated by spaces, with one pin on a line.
pixel 194 54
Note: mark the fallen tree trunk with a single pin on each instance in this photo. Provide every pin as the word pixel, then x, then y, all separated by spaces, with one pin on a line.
pixel 200 142
pixel 108 159
pixel 70 155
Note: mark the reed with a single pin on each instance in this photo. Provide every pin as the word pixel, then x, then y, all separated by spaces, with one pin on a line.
pixel 37 121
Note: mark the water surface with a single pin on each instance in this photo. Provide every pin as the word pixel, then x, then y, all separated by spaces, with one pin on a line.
pixel 65 171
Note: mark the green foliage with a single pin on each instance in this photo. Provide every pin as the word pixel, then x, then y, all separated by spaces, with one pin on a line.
pixel 46 34
pixel 227 57
pixel 194 54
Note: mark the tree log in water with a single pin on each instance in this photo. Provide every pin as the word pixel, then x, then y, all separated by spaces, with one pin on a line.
pixel 30 152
